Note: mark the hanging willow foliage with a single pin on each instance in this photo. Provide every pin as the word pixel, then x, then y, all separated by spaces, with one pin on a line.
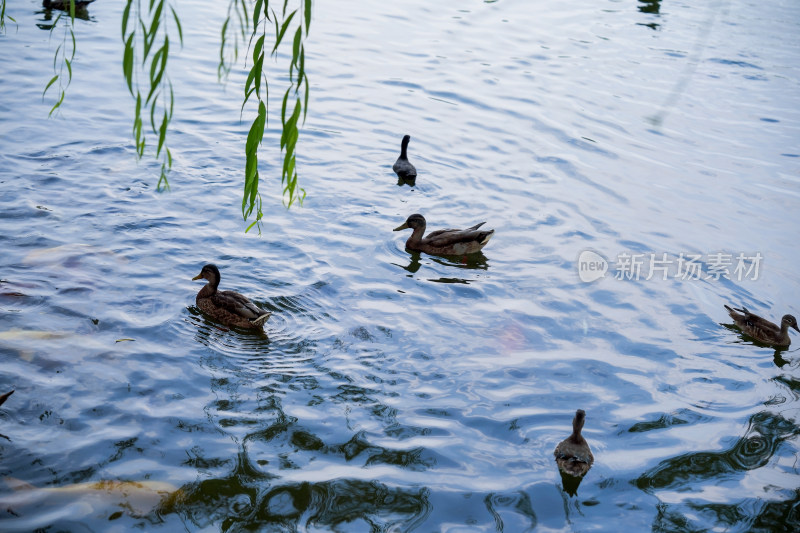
pixel 144 63
pixel 146 29
pixel 65 52
pixel 285 22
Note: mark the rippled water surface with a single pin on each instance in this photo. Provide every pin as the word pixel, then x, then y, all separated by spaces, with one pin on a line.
pixel 397 391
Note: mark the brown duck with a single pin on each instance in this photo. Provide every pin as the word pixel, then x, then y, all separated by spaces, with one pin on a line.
pixel 762 329
pixel 227 307
pixel 573 455
pixel 444 241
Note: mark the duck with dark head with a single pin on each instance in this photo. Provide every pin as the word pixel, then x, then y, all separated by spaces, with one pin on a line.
pixel 444 241
pixel 227 307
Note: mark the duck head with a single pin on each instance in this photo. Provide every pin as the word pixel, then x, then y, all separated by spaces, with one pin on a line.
pixel 211 273
pixel 414 221
pixel 789 321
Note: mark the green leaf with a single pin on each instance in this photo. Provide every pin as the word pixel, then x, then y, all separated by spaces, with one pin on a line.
pixel 283 30
pixel 256 12
pixel 296 45
pixel 57 104
pixel 51 82
pixel 162 133
pixel 72 34
pixel 178 24
pixel 127 63
pixel 256 130
pixel 305 100
pixel 258 49
pixel 125 14
pixel 307 14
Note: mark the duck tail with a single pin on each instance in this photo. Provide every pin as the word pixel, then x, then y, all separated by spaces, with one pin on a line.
pixel 486 236
pixel 737 313
pixel 261 319
pixel 4 397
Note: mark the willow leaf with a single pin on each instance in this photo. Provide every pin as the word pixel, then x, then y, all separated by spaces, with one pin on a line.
pixel 49 83
pixel 258 48
pixel 57 104
pixel 284 27
pixel 127 63
pixel 162 133
pixel 177 24
pixel 125 14
pixel 257 12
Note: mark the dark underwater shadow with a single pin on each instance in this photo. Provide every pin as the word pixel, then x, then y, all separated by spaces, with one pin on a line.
pixel 765 433
pixel 241 502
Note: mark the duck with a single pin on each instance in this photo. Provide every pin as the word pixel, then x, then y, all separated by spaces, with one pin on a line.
pixel 444 241
pixel 403 167
pixel 228 307
pixel 4 397
pixel 573 455
pixel 63 5
pixel 762 329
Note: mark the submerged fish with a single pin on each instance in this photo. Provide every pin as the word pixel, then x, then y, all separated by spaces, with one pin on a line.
pixel 136 497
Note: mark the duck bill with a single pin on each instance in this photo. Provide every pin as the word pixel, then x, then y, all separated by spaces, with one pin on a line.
pixel 795 328
pixel 197 276
pixel 404 226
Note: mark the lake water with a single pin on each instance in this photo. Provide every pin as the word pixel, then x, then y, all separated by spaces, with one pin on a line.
pixel 398 391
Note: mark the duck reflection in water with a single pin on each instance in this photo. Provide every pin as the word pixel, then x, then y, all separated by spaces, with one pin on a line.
pixel 476 261
pixel 573 455
pixel 81 10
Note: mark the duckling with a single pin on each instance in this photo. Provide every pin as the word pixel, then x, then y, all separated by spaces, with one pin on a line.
pixel 403 167
pixel 228 307
pixel 444 241
pixel 762 329
pixel 4 397
pixel 573 455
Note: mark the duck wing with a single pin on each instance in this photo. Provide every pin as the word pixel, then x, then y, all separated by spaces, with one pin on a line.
pixel 238 304
pixel 754 325
pixel 443 237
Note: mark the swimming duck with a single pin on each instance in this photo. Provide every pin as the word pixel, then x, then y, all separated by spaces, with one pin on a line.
pixel 762 329
pixel 4 397
pixel 63 5
pixel 573 455
pixel 228 307
pixel 403 167
pixel 444 241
